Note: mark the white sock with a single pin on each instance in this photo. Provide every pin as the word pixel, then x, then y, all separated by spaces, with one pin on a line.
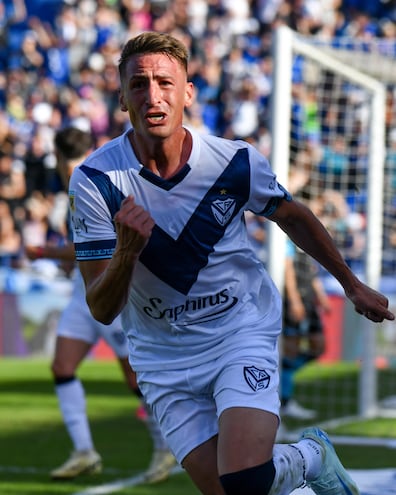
pixel 312 453
pixel 71 398
pixel 289 469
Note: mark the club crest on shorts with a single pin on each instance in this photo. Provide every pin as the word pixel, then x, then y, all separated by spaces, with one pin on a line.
pixel 223 209
pixel 257 379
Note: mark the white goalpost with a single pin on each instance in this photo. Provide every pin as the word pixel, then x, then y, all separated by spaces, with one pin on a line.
pixel 329 130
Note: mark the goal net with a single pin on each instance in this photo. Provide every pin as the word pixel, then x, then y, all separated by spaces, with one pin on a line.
pixel 334 145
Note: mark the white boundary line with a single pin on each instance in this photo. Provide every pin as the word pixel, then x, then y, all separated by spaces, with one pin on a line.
pixel 117 485
pixel 370 481
pixel 113 486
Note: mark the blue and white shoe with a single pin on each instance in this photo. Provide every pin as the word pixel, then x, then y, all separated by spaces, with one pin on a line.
pixel 333 478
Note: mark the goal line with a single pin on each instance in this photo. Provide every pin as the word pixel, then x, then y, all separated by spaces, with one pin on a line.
pixel 120 484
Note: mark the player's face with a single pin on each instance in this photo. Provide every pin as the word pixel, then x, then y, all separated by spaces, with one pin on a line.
pixel 155 93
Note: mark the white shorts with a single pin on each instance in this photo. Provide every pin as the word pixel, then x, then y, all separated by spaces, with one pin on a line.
pixel 77 322
pixel 187 403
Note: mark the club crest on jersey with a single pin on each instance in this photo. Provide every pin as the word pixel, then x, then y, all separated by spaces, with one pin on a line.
pixel 257 379
pixel 223 209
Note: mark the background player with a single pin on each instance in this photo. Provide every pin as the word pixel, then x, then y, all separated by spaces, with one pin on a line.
pixel 302 332
pixel 77 333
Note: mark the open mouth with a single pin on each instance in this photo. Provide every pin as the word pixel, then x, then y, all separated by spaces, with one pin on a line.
pixel 156 117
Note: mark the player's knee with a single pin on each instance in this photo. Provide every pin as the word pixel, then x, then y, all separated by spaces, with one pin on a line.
pixel 256 480
pixel 55 369
pixel 61 369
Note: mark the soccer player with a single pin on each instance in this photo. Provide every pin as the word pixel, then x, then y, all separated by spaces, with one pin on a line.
pixel 77 333
pixel 302 335
pixel 160 238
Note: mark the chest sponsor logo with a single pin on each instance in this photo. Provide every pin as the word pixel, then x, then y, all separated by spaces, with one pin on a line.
pixel 205 308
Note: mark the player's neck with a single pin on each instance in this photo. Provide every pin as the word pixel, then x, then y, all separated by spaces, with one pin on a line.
pixel 163 157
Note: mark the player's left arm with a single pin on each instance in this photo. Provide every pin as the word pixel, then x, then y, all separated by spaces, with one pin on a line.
pixel 307 232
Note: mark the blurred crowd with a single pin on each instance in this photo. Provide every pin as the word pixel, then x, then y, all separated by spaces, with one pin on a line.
pixel 58 68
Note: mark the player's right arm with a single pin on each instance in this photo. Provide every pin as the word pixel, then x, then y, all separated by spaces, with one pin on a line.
pixel 108 281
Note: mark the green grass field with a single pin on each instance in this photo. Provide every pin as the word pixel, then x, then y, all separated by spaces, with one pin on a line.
pixel 33 439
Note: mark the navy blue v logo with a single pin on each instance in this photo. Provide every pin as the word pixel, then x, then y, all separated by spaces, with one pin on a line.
pixel 177 262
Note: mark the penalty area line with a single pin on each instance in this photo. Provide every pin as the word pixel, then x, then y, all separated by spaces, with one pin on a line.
pixel 117 485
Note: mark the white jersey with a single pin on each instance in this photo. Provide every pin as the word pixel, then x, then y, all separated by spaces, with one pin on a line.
pixel 198 279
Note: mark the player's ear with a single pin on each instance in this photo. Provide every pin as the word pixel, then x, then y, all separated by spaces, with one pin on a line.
pixel 189 95
pixel 122 102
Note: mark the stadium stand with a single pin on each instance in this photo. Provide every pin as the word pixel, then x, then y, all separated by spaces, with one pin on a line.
pixel 58 64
